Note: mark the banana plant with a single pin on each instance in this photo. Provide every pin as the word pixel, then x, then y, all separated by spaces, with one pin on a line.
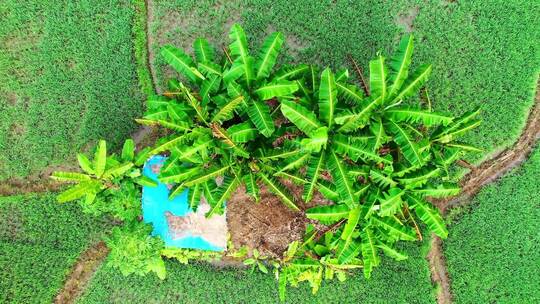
pixel 216 128
pixel 384 157
pixel 107 182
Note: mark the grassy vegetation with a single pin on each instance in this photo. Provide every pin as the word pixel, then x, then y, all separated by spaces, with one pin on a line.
pixel 67 78
pixel 140 41
pixel 484 53
pixel 493 251
pixel 39 242
pixel 397 282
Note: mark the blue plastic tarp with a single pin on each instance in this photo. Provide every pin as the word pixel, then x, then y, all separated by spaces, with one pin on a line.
pixel 161 212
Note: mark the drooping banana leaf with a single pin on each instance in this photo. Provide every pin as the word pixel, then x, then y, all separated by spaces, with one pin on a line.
pixel 391 252
pixel 391 202
pixel 370 256
pixel 413 115
pixel 406 143
pixel 291 72
pixel 204 52
pixel 243 132
pixel 100 158
pixel 268 55
pixel 440 191
pixel 316 165
pixel 278 190
pixel 327 97
pixel 429 215
pixel 207 175
pixel 355 149
pixel 316 141
pixel 222 194
pixel 413 83
pixel 226 111
pixel 181 62
pixel 399 64
pixel 351 120
pixel 341 179
pixel 394 228
pixel 251 186
pixel 349 93
pixel 259 114
pixel 280 88
pixel 329 213
pixel 303 118
pixel 378 72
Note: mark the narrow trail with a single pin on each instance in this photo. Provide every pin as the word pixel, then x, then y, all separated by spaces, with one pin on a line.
pixel 503 162
pixel 472 183
pixel 81 273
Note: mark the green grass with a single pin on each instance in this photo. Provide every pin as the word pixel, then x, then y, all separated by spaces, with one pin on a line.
pixel 493 252
pixel 484 53
pixel 67 78
pixel 39 242
pixel 396 282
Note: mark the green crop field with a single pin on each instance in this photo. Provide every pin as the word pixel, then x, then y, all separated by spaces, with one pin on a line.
pixel 403 282
pixel 483 53
pixel 494 247
pixel 73 72
pixel 39 242
pixel 67 78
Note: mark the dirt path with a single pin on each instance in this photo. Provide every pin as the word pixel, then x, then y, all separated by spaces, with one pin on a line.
pixel 81 273
pixel 503 162
pixel 439 274
pixel 471 184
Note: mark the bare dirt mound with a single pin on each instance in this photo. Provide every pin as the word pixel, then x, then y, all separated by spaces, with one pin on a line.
pixel 494 168
pixel 82 273
pixel 269 225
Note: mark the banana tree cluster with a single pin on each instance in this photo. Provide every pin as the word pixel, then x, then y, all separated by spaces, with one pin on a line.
pixel 220 128
pixel 377 154
pixel 384 157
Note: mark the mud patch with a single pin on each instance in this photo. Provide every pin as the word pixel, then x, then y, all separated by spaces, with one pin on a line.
pixel 269 225
pixel 406 19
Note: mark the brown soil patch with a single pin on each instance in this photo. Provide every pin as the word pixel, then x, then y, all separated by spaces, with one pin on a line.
pixel 81 273
pixel 439 274
pixel 406 19
pixel 497 166
pixel 269 225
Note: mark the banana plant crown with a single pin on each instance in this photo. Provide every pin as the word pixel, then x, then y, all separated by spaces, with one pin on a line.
pixel 224 128
pixel 376 156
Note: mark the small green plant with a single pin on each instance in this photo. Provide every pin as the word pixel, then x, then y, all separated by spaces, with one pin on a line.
pixel 185 255
pixel 133 250
pixel 108 184
pixel 256 261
